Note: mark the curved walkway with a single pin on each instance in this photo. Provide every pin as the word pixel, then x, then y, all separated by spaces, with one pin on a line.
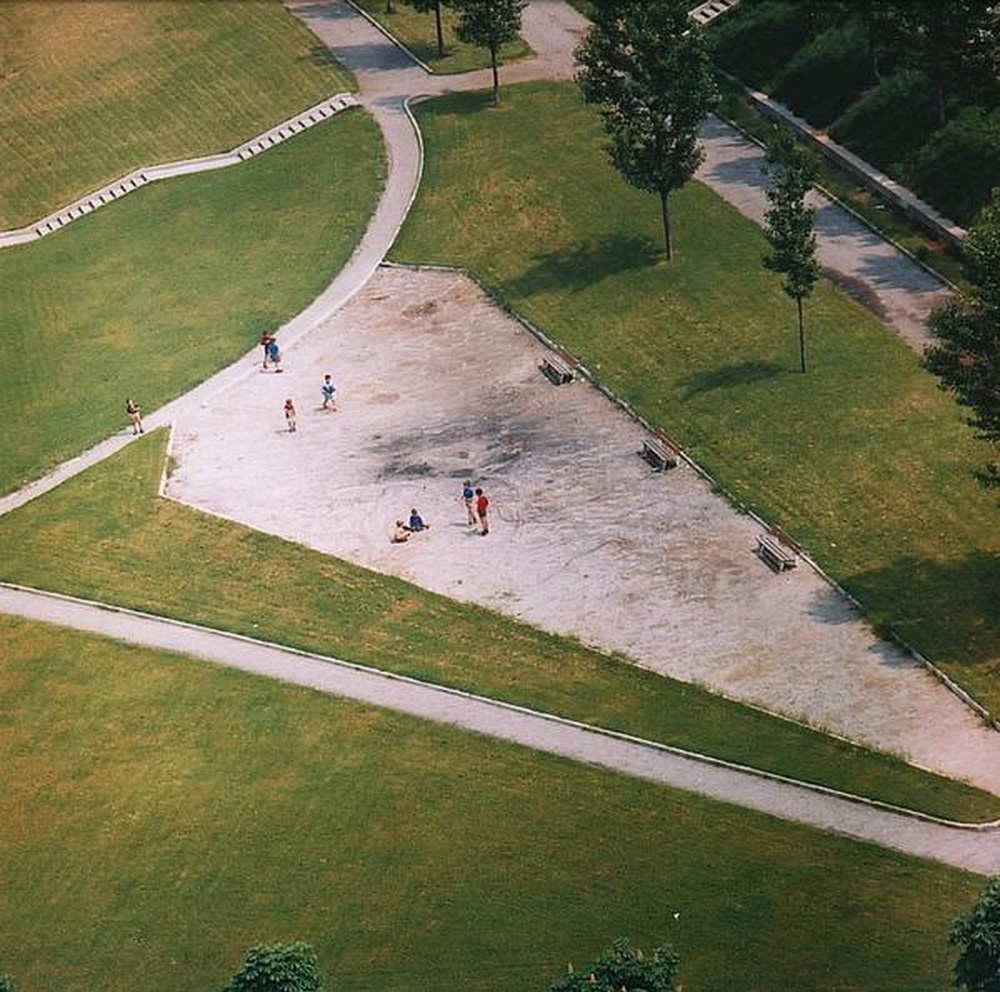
pixel 389 80
pixel 973 848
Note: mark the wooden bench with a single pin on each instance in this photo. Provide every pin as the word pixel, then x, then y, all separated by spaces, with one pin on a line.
pixel 772 550
pixel 660 452
pixel 557 370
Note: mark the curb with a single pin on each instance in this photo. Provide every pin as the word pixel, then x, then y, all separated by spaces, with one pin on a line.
pixel 988 827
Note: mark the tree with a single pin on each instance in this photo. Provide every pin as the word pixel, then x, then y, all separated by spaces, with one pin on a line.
pixel 966 354
pixel 489 23
pixel 624 969
pixel 978 934
pixel 646 64
pixel 278 968
pixel 425 7
pixel 788 224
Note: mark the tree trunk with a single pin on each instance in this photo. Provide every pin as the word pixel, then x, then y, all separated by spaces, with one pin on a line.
pixel 667 238
pixel 802 336
pixel 496 76
pixel 440 34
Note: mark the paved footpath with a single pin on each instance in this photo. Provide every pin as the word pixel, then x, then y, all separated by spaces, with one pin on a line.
pixel 976 850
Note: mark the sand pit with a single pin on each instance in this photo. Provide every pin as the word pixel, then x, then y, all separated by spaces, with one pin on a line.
pixel 436 385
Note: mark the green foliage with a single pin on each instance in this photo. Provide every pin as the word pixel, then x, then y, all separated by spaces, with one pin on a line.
pixel 978 934
pixel 957 169
pixel 489 23
pixel 646 65
pixel 6 983
pixel 891 121
pixel 825 76
pixel 966 356
pixel 278 968
pixel 624 969
pixel 758 38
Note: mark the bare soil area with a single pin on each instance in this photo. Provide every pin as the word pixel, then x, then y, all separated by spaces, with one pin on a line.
pixel 436 385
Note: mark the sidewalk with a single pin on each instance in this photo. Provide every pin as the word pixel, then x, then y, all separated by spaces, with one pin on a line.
pixel 975 850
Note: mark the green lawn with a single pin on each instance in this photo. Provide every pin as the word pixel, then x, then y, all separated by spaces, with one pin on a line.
pixel 149 296
pixel 419 34
pixel 179 80
pixel 862 459
pixel 159 815
pixel 104 535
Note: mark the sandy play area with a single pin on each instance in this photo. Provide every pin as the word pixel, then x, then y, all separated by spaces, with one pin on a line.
pixel 436 385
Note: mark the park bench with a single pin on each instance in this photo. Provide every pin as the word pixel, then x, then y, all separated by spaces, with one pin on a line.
pixel 557 370
pixel 775 552
pixel 660 451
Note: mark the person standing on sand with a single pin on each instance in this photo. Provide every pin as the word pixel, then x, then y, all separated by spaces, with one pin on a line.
pixel 134 416
pixel 290 416
pixel 482 511
pixel 329 391
pixel 469 499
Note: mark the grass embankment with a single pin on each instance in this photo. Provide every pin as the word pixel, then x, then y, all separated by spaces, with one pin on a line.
pixel 862 459
pixel 418 33
pixel 104 535
pixel 160 815
pixel 94 90
pixel 149 296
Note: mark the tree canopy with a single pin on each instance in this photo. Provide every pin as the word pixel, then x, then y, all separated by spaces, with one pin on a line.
pixel 489 23
pixel 645 63
pixel 624 969
pixel 966 353
pixel 978 934
pixel 278 968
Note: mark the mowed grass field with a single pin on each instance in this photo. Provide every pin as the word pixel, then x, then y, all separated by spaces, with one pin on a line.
pixel 178 80
pixel 105 535
pixel 150 295
pixel 862 459
pixel 418 32
pixel 160 815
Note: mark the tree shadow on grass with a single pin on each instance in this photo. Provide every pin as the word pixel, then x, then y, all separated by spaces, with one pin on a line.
pixel 729 376
pixel 946 609
pixel 587 263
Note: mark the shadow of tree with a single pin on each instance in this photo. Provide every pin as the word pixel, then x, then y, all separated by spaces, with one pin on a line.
pixel 949 610
pixel 729 376
pixel 587 263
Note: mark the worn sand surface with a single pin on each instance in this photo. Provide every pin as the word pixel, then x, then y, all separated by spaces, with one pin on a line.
pixel 436 385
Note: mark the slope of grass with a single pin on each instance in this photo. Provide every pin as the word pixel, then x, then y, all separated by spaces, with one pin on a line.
pixel 150 295
pixel 105 536
pixel 418 33
pixel 862 459
pixel 160 815
pixel 93 90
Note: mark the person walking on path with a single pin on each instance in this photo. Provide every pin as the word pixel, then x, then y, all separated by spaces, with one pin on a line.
pixel 274 353
pixel 134 416
pixel 469 499
pixel 329 391
pixel 482 511
pixel 265 342
pixel 290 416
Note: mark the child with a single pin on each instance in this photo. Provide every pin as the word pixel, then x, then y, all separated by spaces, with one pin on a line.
pixel 482 508
pixel 134 415
pixel 290 415
pixel 416 523
pixel 274 354
pixel 469 499
pixel 329 391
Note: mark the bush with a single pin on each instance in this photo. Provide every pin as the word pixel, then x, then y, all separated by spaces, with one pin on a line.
pixel 826 76
pixel 758 38
pixel 959 166
pixel 890 122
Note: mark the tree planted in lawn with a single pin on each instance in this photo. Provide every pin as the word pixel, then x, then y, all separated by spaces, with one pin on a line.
pixel 425 7
pixel 646 64
pixel 978 934
pixel 624 969
pixel 278 968
pixel 966 356
pixel 489 24
pixel 788 224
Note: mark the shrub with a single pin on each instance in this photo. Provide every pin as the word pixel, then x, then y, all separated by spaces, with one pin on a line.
pixel 826 76
pixel 758 38
pixel 959 166
pixel 892 121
